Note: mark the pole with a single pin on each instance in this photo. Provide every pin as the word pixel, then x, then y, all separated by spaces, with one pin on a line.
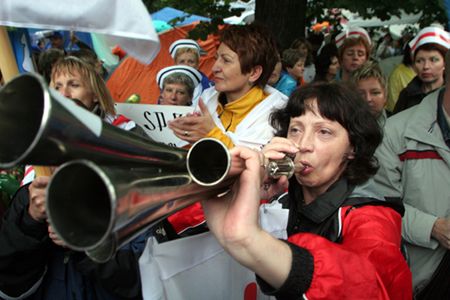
pixel 9 69
pixel 8 64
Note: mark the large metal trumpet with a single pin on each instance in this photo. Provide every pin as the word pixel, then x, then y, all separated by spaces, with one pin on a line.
pixel 38 126
pixel 113 184
pixel 112 205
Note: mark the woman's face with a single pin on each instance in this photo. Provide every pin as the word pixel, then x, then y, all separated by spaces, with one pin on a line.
pixel 333 69
pixel 187 59
pixel 175 94
pixel 228 76
pixel 374 93
pixel 297 70
pixel 73 86
pixel 429 66
pixel 324 149
pixel 353 58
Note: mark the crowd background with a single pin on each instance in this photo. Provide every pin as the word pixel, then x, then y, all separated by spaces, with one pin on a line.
pixel 243 87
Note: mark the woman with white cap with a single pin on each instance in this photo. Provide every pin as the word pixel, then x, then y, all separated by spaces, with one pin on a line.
pixel 187 52
pixel 177 84
pixel 428 50
pixel 354 46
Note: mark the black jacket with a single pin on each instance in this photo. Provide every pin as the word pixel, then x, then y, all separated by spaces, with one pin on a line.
pixel 411 95
pixel 31 264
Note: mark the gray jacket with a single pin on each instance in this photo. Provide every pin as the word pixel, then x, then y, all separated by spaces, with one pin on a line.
pixel 415 165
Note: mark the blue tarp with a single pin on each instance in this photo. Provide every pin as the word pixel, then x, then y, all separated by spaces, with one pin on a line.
pixel 82 36
pixel 168 13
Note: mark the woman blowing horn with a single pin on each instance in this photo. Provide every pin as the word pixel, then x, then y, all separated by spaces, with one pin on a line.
pixel 343 241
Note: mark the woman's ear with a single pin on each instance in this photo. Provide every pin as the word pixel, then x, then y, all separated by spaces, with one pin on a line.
pixel 255 73
pixel 351 155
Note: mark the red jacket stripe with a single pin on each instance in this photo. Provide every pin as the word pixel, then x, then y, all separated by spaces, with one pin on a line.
pixel 414 154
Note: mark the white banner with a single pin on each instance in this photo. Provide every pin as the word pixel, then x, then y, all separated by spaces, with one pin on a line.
pixel 154 119
pixel 126 23
pixel 197 267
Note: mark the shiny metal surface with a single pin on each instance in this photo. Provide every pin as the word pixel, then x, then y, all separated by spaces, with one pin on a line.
pixel 39 126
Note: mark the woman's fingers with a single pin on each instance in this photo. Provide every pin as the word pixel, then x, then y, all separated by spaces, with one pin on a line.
pixel 279 147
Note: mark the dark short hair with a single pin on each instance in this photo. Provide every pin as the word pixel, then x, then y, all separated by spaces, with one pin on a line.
pixel 431 47
pixel 323 60
pixel 338 102
pixel 46 61
pixel 369 69
pixel 290 57
pixel 255 46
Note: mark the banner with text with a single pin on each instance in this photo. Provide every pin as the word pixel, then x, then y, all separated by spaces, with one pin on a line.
pixel 154 120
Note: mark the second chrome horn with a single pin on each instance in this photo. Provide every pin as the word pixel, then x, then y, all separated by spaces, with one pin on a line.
pixel 97 209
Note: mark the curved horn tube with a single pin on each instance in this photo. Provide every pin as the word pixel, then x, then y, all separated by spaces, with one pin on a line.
pixel 54 130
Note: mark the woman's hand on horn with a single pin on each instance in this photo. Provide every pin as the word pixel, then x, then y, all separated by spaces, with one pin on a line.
pixel 37 194
pixel 278 148
pixel 195 126
pixel 233 218
pixel 54 237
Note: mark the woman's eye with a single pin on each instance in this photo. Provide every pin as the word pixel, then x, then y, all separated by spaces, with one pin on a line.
pixel 434 59
pixel 325 132
pixel 294 130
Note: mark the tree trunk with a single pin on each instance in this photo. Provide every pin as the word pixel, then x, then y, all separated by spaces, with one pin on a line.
pixel 286 19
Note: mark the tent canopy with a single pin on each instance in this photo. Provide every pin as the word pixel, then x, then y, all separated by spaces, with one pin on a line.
pixel 168 13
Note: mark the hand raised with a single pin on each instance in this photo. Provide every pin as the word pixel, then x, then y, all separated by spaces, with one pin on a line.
pixel 37 194
pixel 54 237
pixel 193 127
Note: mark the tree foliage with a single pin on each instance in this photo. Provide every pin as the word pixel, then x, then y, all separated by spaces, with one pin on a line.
pixel 432 11
pixel 317 10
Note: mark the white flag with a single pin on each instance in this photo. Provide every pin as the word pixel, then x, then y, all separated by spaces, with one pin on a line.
pixel 126 23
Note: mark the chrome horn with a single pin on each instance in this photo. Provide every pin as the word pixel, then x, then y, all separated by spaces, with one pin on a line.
pixel 39 126
pixel 97 209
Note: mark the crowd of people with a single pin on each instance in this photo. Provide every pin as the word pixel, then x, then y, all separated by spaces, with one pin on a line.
pixel 366 212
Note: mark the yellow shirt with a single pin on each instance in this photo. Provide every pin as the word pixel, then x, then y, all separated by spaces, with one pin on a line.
pixel 398 80
pixel 234 112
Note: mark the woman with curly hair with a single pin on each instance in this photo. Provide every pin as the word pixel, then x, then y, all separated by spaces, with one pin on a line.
pixel 341 241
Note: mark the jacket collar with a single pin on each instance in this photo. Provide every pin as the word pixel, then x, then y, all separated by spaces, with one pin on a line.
pixel 422 124
pixel 323 206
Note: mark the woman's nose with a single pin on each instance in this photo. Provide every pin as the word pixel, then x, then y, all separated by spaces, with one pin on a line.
pixel 306 142
pixel 65 92
pixel 216 67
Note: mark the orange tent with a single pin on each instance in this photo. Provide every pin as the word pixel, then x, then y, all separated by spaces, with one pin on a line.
pixel 133 77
